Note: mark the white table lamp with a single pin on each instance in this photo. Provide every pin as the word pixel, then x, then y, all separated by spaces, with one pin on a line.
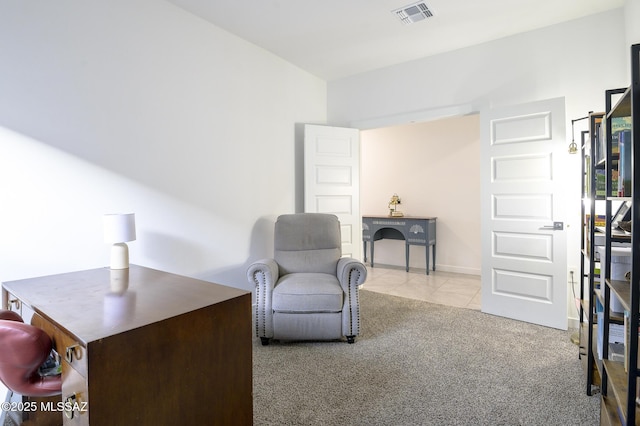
pixel 118 229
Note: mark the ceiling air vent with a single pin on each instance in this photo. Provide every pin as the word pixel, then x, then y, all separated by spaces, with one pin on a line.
pixel 413 13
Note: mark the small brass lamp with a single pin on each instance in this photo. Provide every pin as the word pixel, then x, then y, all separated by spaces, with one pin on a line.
pixel 393 206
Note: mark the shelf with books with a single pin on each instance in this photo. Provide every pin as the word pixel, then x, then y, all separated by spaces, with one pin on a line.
pixel 620 119
pixel 615 126
pixel 619 387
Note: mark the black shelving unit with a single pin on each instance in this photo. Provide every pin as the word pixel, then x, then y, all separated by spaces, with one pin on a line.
pixel 588 262
pixel 619 384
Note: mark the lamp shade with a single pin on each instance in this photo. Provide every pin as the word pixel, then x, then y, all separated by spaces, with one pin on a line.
pixel 119 228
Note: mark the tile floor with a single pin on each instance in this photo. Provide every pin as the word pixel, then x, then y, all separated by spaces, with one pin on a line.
pixel 445 288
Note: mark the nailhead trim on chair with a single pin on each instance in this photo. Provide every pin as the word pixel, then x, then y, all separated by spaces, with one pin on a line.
pixel 353 284
pixel 258 304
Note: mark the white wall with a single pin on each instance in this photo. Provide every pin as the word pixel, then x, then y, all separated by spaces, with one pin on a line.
pixel 631 14
pixel 632 29
pixel 435 169
pixel 577 59
pixel 141 107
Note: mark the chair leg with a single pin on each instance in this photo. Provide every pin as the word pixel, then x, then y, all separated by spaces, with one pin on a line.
pixel 351 339
pixel 264 340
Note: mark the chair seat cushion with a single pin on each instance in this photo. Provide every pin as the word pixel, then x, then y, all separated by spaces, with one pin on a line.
pixel 307 292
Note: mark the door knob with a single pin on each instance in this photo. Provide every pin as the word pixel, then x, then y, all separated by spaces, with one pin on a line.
pixel 557 226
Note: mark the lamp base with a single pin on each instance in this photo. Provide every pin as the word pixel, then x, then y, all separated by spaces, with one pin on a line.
pixel 119 280
pixel 119 256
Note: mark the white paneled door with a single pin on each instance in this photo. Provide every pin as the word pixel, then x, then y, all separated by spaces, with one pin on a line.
pixel 524 271
pixel 332 180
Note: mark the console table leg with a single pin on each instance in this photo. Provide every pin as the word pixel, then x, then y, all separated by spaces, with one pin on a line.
pixel 426 249
pixel 434 257
pixel 372 253
pixel 407 256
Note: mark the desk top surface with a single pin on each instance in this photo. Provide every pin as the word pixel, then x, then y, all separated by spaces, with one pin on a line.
pixel 97 303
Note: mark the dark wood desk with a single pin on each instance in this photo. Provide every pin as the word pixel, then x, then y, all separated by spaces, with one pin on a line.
pixel 419 231
pixel 146 347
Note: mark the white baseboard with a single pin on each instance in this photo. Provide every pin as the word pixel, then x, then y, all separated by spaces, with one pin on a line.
pixel 573 323
pixel 443 268
pixel 458 269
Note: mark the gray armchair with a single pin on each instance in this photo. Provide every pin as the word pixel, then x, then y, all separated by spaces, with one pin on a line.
pixel 307 291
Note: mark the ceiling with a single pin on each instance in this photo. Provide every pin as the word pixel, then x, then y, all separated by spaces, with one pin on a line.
pixel 337 38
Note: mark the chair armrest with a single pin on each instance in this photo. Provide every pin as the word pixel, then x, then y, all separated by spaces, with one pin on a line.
pixel 264 275
pixel 263 272
pixel 351 272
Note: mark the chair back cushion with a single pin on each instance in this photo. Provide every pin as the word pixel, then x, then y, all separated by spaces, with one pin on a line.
pixel 307 242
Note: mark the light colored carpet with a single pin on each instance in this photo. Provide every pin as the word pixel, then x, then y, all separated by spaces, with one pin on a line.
pixel 418 363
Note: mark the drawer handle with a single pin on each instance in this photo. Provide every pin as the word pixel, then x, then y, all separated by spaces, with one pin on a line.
pixel 15 303
pixel 71 352
pixel 69 402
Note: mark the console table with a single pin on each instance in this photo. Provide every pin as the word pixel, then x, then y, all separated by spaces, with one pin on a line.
pixel 145 347
pixel 417 231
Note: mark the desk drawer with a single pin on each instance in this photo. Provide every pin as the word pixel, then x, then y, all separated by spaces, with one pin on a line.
pixel 74 372
pixel 11 303
pixel 75 396
pixel 65 345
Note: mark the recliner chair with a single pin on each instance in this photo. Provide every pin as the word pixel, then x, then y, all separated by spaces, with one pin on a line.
pixel 307 291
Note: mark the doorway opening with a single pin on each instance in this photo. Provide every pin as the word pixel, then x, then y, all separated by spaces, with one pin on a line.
pixel 434 167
